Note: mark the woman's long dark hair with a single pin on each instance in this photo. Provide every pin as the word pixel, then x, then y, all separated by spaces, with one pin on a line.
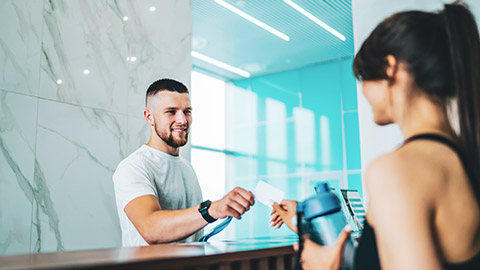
pixel 442 52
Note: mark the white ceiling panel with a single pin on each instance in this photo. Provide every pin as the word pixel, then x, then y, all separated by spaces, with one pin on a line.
pixel 225 36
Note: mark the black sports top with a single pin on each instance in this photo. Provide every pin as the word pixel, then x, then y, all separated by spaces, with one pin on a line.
pixel 366 256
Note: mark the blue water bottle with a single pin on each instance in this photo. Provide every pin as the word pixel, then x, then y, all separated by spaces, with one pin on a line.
pixel 322 218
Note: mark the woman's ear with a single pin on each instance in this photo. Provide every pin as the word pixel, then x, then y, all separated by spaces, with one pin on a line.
pixel 392 67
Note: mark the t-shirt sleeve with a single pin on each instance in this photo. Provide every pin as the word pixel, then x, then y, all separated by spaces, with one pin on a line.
pixel 131 181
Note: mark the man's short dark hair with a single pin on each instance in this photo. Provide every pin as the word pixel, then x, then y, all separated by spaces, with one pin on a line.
pixel 165 85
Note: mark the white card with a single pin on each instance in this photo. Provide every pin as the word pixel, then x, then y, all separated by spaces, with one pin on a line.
pixel 267 194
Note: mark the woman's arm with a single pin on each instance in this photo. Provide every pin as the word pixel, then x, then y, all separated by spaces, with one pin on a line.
pixel 284 213
pixel 401 211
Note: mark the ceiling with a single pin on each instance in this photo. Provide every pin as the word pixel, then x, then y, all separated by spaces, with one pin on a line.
pixel 225 36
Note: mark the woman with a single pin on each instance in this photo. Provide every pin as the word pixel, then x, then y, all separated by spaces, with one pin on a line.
pixel 423 207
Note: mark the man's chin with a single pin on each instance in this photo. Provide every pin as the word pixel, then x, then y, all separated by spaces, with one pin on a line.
pixel 180 141
pixel 180 136
pixel 180 144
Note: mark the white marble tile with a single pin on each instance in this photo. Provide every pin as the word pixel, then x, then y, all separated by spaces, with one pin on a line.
pixel 17 140
pixel 84 49
pixel 161 42
pixel 78 150
pixel 57 172
pixel 138 133
pixel 20 45
pixel 123 44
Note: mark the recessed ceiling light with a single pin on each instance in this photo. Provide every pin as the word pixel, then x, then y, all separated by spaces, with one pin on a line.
pixel 315 19
pixel 253 20
pixel 255 67
pixel 59 81
pixel 221 64
pixel 86 71
pixel 152 8
pixel 125 18
pixel 199 43
pixel 240 3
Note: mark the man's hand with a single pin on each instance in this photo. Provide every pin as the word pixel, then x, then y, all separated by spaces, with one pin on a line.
pixel 234 204
pixel 284 213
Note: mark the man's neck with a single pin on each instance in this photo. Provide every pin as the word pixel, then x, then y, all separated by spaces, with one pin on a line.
pixel 164 147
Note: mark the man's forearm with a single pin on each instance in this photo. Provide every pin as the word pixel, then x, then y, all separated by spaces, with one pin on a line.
pixel 165 226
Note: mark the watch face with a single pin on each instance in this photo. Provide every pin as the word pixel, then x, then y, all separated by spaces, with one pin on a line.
pixel 203 209
pixel 204 205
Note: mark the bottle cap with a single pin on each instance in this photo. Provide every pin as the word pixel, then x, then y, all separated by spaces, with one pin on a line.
pixel 324 203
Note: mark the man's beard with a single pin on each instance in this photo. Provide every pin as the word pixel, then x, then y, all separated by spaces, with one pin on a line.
pixel 169 140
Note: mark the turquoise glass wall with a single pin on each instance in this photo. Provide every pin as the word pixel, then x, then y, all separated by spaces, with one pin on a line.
pixel 293 129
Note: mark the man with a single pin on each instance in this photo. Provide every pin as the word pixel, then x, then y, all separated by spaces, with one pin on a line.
pixel 157 193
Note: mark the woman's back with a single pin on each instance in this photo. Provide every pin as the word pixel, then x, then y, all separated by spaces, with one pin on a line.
pixel 456 212
pixel 437 198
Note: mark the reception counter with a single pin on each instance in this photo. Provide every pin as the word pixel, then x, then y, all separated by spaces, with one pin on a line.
pixel 258 253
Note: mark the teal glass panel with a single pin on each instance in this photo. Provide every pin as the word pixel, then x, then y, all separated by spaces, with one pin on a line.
pixel 352 141
pixel 261 108
pixel 320 88
pixel 285 82
pixel 243 166
pixel 349 85
pixel 243 140
pixel 243 228
pixel 293 189
pixel 244 84
pixel 293 164
pixel 261 150
pixel 283 87
pixel 276 144
pixel 355 182
pixel 241 107
pixel 277 168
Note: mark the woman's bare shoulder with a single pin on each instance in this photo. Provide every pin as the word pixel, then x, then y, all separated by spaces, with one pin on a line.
pixel 409 171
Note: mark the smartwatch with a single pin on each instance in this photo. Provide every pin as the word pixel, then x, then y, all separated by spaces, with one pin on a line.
pixel 203 209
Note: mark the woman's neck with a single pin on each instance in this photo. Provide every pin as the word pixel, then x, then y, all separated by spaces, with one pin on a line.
pixel 424 116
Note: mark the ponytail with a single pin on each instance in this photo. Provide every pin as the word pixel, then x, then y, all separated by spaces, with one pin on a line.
pixel 464 47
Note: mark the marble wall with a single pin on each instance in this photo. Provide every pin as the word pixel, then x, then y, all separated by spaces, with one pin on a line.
pixel 73 75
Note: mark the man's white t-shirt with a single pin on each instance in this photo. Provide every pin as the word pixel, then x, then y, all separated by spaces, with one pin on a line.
pixel 149 171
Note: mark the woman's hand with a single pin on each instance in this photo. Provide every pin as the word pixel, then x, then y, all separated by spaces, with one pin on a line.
pixel 315 256
pixel 284 213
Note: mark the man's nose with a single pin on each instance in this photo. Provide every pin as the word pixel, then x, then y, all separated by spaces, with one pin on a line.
pixel 180 118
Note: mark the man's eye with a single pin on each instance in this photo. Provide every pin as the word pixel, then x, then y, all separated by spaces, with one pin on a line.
pixel 188 112
pixel 171 112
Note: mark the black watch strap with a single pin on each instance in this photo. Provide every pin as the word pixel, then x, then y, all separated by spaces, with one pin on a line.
pixel 203 209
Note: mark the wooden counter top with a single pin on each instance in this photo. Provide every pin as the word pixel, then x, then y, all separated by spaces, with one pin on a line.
pixel 259 253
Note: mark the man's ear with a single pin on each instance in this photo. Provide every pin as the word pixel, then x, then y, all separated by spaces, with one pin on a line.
pixel 149 117
pixel 392 67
